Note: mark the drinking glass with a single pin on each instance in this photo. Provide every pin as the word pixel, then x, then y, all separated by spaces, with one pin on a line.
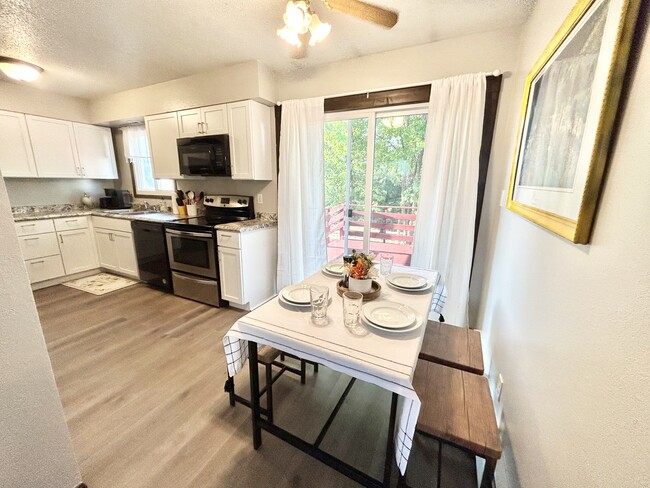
pixel 385 264
pixel 352 302
pixel 319 296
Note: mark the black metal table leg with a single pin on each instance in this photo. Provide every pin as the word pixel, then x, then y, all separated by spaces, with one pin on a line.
pixel 390 444
pixel 255 393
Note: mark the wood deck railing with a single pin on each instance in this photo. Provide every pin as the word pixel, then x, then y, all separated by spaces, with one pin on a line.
pixel 392 230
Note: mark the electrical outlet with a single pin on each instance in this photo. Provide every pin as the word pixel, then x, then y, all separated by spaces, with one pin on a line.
pixel 499 387
pixel 260 198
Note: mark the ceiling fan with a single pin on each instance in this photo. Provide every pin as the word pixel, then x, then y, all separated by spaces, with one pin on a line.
pixel 302 25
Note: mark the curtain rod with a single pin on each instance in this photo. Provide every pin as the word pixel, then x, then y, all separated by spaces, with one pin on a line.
pixel 494 73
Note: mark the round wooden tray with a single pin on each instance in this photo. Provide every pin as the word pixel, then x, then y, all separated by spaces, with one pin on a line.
pixel 374 293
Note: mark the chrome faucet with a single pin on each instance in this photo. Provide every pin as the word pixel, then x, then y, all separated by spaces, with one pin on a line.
pixel 146 205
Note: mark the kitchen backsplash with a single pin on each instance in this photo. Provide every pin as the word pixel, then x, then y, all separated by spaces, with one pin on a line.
pixel 41 191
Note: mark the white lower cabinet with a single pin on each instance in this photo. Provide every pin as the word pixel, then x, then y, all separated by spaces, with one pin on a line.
pixel 77 250
pixel 45 268
pixel 115 247
pixel 247 266
pixel 230 274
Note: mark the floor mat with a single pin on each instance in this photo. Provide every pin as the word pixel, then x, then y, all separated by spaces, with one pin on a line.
pixel 100 284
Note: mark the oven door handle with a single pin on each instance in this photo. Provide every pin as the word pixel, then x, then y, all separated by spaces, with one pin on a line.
pixel 188 234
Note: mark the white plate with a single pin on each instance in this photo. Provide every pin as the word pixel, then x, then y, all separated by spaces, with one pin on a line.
pixel 299 305
pixel 296 294
pixel 389 315
pixel 335 269
pixel 406 280
pixel 411 290
pixel 418 322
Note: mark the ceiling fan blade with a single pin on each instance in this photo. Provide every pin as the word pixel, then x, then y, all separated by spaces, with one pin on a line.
pixel 365 11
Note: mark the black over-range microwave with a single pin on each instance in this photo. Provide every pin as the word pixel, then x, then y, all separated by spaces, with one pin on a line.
pixel 204 156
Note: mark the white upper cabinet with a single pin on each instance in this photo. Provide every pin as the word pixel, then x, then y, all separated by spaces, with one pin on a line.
pixel 16 156
pixel 215 119
pixel 189 122
pixel 203 121
pixel 96 153
pixel 252 147
pixel 54 147
pixel 162 131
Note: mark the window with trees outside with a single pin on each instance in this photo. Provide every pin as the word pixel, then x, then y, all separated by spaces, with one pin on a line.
pixel 373 162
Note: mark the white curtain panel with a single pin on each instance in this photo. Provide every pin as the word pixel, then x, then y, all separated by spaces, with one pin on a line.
pixel 444 228
pixel 302 248
pixel 135 141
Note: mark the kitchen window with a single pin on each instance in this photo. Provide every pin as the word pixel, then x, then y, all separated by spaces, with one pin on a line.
pixel 136 151
pixel 373 162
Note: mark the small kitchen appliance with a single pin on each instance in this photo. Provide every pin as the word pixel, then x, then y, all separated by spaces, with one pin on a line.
pixel 116 199
pixel 192 247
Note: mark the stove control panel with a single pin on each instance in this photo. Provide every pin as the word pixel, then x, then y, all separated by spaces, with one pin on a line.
pixel 228 201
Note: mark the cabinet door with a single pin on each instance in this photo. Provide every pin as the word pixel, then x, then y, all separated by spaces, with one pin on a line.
pixel 230 274
pixel 106 249
pixel 215 119
pixel 16 155
pixel 55 151
pixel 162 132
pixel 77 250
pixel 96 153
pixel 126 258
pixel 189 123
pixel 240 148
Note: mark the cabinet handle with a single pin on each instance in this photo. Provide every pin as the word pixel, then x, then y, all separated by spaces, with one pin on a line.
pixel 198 127
pixel 61 238
pixel 31 238
pixel 27 225
pixel 72 220
pixel 205 127
pixel 40 261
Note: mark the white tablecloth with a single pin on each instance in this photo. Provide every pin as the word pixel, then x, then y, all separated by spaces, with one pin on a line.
pixel 385 359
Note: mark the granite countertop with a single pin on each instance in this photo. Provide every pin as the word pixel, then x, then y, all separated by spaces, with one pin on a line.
pixel 55 214
pixel 261 222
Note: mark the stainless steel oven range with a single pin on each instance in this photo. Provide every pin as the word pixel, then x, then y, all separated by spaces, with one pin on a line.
pixel 192 247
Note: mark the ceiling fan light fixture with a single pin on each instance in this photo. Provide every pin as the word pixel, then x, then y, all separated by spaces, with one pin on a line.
pixel 319 30
pixel 297 16
pixel 291 36
pixel 19 70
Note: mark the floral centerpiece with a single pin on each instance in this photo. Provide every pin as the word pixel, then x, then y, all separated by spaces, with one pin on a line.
pixel 360 269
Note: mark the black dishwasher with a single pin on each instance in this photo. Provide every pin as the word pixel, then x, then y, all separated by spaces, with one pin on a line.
pixel 151 250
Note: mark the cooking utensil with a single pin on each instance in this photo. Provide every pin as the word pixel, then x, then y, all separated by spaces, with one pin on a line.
pixel 190 196
pixel 180 194
pixel 179 202
pixel 200 197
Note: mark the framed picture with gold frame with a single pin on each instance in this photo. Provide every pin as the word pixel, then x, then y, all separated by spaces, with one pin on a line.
pixel 570 104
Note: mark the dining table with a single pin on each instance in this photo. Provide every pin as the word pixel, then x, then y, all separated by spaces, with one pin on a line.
pixel 385 358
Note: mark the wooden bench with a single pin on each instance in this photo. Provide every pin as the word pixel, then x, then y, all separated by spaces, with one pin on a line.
pixel 457 409
pixel 456 347
pixel 267 356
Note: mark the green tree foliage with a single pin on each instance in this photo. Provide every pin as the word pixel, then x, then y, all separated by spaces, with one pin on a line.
pixel 399 145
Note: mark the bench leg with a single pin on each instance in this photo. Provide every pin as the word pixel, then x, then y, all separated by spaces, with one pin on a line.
pixel 488 473
pixel 303 371
pixel 269 392
pixel 230 388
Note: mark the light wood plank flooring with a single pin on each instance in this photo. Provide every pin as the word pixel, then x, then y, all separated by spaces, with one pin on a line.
pixel 141 375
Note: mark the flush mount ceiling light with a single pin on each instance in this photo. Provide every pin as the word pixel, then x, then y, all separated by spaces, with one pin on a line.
pixel 299 18
pixel 19 70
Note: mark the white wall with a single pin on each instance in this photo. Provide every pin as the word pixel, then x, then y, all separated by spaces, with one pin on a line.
pixel 419 64
pixel 568 326
pixel 35 446
pixel 237 82
pixel 19 97
pixel 47 191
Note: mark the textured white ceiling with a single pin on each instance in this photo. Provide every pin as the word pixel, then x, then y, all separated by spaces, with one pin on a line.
pixel 91 48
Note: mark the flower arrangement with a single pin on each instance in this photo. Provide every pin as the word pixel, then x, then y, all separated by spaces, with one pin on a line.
pixel 360 266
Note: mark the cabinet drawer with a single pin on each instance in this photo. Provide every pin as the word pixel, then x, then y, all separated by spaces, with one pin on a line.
pixel 229 239
pixel 38 246
pixel 42 269
pixel 30 227
pixel 70 223
pixel 123 225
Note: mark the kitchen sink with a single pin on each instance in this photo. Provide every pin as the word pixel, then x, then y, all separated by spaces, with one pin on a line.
pixel 129 211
